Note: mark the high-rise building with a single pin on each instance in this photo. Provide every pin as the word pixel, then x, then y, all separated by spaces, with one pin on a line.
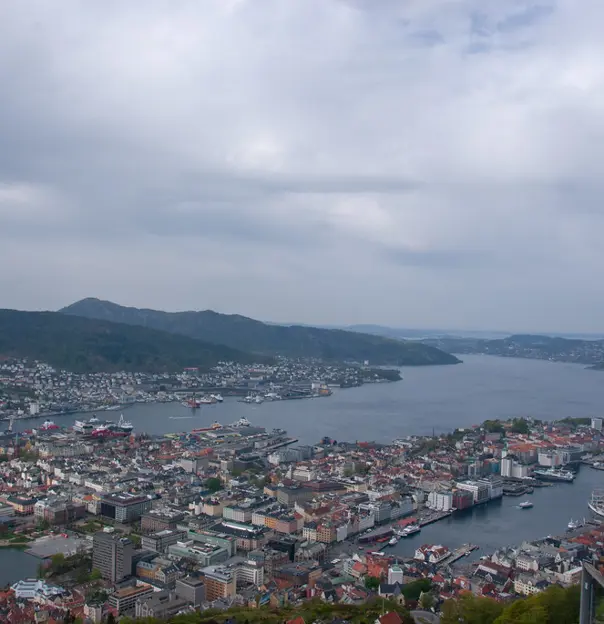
pixel 112 556
pixel 220 582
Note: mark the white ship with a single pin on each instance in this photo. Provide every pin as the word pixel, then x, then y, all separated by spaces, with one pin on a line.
pixel 242 422
pixel 550 474
pixel 525 505
pixel 217 397
pixel 596 503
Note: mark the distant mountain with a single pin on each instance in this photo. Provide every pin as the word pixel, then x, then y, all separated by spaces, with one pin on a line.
pixel 87 345
pixel 402 333
pixel 251 336
pixel 556 349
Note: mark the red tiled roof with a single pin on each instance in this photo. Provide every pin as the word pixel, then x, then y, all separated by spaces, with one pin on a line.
pixel 391 618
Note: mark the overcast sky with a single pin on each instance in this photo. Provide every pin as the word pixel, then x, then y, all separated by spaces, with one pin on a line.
pixel 417 163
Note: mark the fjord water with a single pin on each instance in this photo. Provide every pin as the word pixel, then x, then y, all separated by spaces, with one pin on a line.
pixel 438 398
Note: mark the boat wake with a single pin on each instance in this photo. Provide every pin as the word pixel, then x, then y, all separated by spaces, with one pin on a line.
pixel 180 417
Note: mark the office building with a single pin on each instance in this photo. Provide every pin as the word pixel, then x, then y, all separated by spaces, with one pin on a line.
pixel 123 601
pixel 191 589
pixel 124 507
pixel 160 541
pixel 112 556
pixel 220 582
pixel 160 519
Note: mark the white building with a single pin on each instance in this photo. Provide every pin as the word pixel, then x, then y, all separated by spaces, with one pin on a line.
pixel 32 588
pixel 304 473
pixel 250 573
pixel 549 458
pixel 442 501
pixel 432 554
pixel 395 575
pixel 495 486
pixel 596 423
pixel 480 490
pixel 341 532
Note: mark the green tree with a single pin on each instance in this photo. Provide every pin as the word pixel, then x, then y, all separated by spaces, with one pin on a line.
pixel 470 609
pixel 214 484
pixel 493 426
pixel 412 591
pixel 426 601
pixel 520 425
pixel 96 575
pixel 372 583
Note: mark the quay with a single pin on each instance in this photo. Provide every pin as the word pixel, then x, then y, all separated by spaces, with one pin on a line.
pixel 433 516
pixel 457 554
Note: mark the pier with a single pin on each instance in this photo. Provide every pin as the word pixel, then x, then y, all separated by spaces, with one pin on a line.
pixel 458 554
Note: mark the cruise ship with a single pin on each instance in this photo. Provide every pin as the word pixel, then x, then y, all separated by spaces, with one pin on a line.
pixel 596 503
pixel 86 426
pixel 551 474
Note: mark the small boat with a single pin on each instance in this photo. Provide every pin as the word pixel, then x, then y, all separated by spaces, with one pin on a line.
pixel 525 505
pixel 217 397
pixel 393 541
pixel 575 524
pixel 207 400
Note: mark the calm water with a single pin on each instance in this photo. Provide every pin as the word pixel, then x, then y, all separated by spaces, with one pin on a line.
pixel 16 565
pixel 502 522
pixel 439 398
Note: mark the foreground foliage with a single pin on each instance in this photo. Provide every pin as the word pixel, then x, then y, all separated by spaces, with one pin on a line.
pixel 311 611
pixel 554 606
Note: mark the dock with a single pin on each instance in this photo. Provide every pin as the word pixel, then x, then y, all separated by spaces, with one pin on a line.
pixel 433 516
pixel 458 554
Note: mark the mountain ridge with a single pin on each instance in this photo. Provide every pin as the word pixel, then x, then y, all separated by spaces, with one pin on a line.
pixel 81 344
pixel 253 336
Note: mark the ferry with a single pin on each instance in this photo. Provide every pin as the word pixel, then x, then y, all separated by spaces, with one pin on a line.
pixel 409 530
pixel 596 503
pixel 550 474
pixel 525 505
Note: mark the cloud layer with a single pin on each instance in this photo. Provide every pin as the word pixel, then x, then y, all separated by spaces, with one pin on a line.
pixel 406 162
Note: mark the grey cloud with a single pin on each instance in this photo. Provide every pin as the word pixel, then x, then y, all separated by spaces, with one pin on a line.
pixel 439 145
